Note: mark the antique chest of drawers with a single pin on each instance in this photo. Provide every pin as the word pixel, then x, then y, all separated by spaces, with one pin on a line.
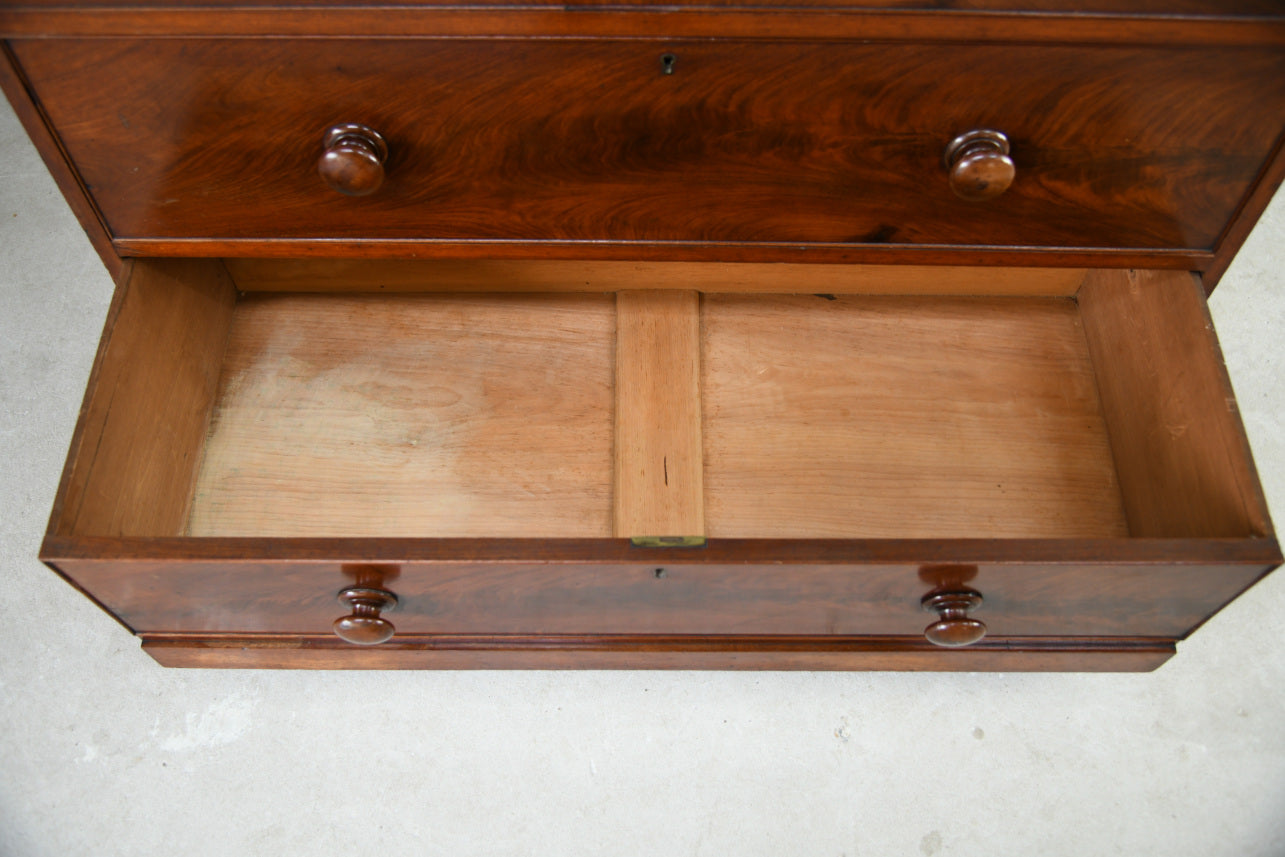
pixel 845 335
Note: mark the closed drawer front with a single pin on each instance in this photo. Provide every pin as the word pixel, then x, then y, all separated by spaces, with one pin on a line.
pixel 653 141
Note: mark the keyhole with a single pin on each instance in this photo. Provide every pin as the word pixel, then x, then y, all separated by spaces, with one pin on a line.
pixel 667 63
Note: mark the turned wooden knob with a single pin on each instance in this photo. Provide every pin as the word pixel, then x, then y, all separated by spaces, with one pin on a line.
pixel 353 160
pixel 979 165
pixel 364 626
pixel 953 628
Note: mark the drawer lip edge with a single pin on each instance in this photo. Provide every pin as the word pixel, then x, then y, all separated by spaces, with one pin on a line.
pixel 986 255
pixel 825 22
pixel 673 642
pixel 1264 551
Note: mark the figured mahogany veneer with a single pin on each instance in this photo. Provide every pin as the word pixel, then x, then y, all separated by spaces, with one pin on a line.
pixel 764 147
pixel 860 335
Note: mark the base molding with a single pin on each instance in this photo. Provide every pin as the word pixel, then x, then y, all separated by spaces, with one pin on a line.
pixel 468 651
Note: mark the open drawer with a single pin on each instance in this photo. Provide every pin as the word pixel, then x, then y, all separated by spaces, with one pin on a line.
pixel 658 465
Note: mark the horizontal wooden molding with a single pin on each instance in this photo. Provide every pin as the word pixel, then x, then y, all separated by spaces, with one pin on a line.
pixel 1125 654
pixel 1253 551
pixel 671 251
pixel 636 23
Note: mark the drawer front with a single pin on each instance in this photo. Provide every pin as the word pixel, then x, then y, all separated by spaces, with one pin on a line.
pixel 752 143
pixel 680 598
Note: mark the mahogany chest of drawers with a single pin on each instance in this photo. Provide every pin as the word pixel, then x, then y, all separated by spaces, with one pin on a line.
pixel 845 335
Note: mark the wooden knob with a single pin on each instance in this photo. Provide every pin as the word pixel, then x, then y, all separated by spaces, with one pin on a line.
pixel 979 165
pixel 353 160
pixel 364 626
pixel 953 629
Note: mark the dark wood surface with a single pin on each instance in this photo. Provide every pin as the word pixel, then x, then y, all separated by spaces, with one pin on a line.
pixel 686 653
pixel 51 152
pixel 1149 23
pixel 1266 9
pixel 668 251
pixel 352 159
pixel 1251 209
pixel 1145 133
pixel 772 143
pixel 695 595
pixel 1169 584
pixel 979 165
pixel 364 626
pixel 954 627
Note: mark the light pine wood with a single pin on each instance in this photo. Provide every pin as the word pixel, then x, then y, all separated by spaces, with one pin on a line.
pixel 658 415
pixel 541 275
pixel 412 415
pixel 151 394
pixel 906 417
pixel 1184 466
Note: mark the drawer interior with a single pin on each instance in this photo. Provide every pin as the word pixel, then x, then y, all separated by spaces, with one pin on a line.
pixel 411 415
pixel 257 399
pixel 903 417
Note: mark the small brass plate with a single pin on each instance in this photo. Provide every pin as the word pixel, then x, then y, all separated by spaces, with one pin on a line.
pixel 668 541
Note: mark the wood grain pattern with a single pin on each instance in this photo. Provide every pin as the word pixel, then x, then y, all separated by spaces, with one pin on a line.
pixel 1154 25
pixel 352 162
pixel 132 468
pixel 903 417
pixel 1184 466
pixel 64 175
pixel 702 592
pixel 620 652
pixel 659 457
pixel 540 275
pixel 754 143
pixel 1078 583
pixel 416 415
pixel 669 251
pixel 58 550
pixel 942 430
pixel 57 523
pixel 1273 174
pixel 1216 9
